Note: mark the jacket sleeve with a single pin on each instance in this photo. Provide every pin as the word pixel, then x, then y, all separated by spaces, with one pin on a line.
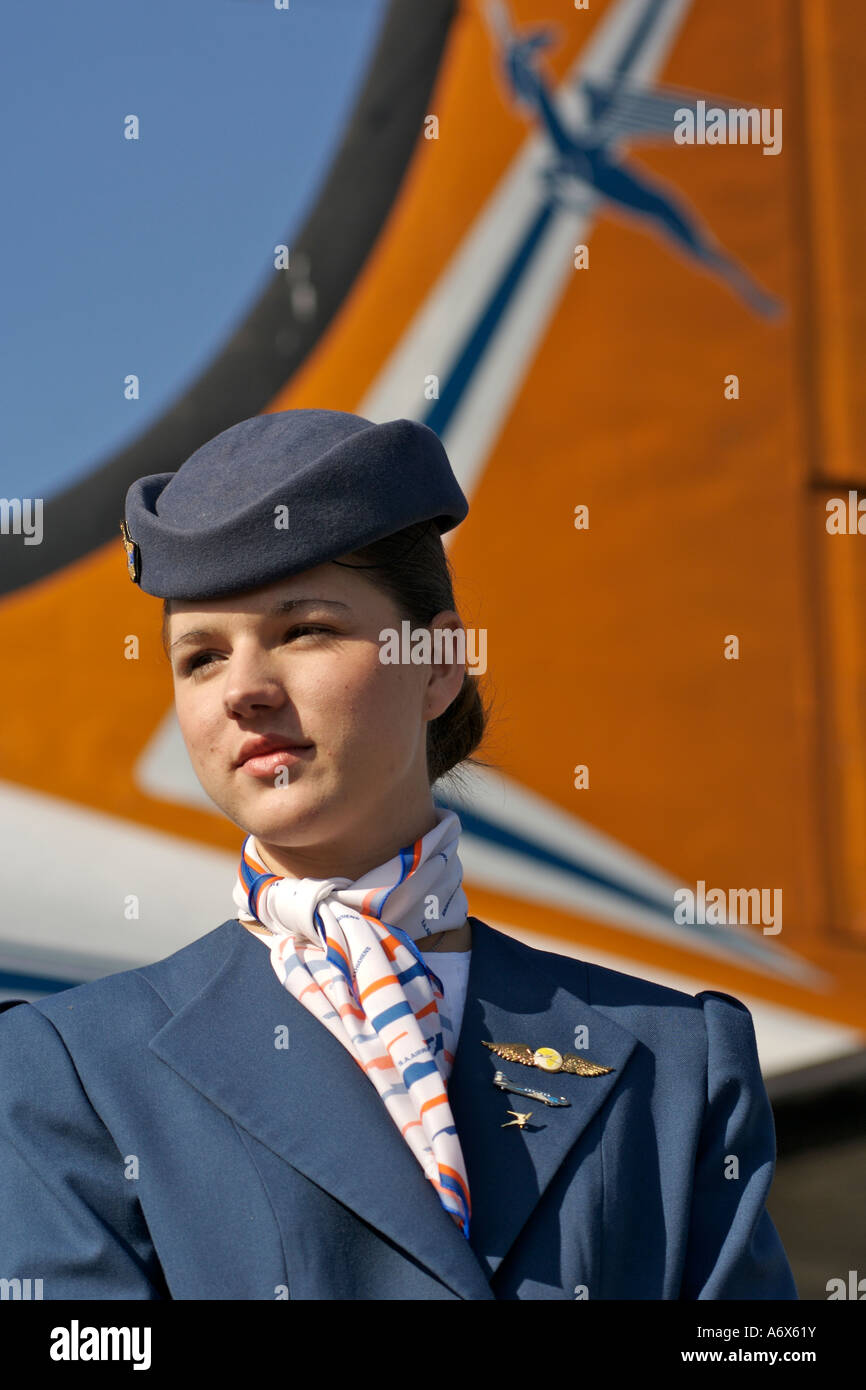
pixel 68 1216
pixel 734 1250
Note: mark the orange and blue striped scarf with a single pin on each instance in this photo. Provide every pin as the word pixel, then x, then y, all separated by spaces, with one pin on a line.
pixel 346 951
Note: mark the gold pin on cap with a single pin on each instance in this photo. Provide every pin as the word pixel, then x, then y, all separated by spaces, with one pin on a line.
pixel 133 554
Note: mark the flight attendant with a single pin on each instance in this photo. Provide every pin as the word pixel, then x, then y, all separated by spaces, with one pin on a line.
pixel 352 1088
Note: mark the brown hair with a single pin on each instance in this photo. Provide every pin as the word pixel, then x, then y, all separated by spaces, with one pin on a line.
pixel 412 568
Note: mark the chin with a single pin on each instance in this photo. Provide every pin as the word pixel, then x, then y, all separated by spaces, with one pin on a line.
pixel 281 825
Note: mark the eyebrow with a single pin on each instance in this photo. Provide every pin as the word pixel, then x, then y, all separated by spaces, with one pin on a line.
pixel 286 606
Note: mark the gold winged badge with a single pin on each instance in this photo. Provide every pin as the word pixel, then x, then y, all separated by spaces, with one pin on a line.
pixel 547 1059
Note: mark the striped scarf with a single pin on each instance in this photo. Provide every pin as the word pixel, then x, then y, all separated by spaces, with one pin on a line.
pixel 365 979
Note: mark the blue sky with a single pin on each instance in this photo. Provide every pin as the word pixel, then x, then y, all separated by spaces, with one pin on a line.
pixel 140 256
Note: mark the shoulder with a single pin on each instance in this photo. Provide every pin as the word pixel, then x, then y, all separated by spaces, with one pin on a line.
pixel 658 1014
pixel 126 1001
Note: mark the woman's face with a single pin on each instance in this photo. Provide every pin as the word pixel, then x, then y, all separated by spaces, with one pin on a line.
pixel 298 661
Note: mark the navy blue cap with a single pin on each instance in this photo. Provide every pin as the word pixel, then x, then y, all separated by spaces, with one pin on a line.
pixel 281 493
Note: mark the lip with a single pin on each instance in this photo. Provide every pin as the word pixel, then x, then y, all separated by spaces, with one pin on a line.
pixel 267 764
pixel 263 753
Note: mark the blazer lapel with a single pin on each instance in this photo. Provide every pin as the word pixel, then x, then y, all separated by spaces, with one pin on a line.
pixel 310 1103
pixel 520 996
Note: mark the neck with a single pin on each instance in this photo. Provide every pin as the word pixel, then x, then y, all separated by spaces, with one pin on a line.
pixel 458 939
pixel 344 858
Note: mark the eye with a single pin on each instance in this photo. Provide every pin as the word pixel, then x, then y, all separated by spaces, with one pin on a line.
pixel 196 663
pixel 201 660
pixel 306 627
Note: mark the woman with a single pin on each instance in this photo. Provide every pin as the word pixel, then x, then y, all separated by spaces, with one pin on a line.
pixel 281 1109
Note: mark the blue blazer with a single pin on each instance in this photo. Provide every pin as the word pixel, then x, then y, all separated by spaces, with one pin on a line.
pixel 155 1143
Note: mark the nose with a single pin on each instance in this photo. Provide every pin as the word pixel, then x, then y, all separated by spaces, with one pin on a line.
pixel 252 682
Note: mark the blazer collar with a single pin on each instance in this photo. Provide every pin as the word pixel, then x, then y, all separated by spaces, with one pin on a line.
pixel 309 1103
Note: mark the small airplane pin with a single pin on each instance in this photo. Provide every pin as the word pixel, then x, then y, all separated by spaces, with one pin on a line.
pixel 501 1080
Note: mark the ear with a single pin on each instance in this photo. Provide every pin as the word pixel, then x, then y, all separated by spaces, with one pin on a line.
pixel 448 661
